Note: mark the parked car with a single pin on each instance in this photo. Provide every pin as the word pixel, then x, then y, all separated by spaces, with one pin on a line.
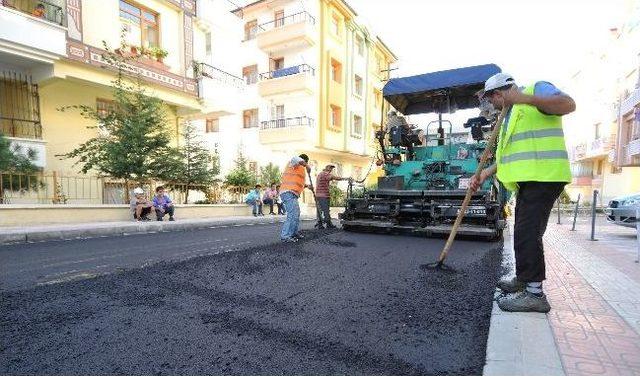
pixel 622 210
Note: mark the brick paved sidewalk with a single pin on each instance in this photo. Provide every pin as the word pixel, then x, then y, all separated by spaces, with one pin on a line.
pixel 594 291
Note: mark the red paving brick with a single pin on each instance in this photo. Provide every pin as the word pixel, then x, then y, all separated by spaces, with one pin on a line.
pixel 592 338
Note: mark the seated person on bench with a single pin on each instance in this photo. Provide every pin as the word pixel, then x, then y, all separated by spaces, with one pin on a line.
pixel 140 205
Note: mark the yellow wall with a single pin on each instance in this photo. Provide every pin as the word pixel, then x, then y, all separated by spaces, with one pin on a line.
pixel 63 131
pixel 101 22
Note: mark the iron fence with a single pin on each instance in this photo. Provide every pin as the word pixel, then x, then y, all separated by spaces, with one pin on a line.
pixel 287 20
pixel 57 188
pixel 289 71
pixel 51 11
pixel 299 121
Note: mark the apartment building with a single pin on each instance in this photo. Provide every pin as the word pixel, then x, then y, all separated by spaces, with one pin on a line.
pixel 603 135
pixel 54 59
pixel 313 80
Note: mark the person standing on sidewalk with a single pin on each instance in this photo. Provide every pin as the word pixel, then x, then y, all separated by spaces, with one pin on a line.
pixel 324 179
pixel 531 160
pixel 293 183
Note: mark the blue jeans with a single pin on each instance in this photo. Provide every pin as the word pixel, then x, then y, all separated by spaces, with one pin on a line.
pixel 256 207
pixel 291 223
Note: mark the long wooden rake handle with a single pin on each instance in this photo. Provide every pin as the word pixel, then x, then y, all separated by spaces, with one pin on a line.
pixel 467 198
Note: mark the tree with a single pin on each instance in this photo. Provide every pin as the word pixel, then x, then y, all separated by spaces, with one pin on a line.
pixel 241 176
pixel 270 174
pixel 190 166
pixel 132 134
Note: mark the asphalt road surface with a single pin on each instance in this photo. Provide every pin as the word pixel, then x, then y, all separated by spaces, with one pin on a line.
pixel 235 301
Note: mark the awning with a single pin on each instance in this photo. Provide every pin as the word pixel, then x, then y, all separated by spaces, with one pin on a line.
pixel 441 92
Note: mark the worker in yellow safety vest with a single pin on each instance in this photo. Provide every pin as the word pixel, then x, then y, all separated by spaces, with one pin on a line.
pixel 291 187
pixel 532 161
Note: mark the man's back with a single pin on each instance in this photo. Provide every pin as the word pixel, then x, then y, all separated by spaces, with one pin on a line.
pixel 322 184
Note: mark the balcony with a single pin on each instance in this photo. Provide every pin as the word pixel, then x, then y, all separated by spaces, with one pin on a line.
pixel 293 31
pixel 41 38
pixel 630 102
pixel 219 91
pixel 631 154
pixel 288 130
pixel 594 149
pixel 299 78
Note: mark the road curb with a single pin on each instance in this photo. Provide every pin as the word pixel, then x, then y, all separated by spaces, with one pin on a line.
pixel 125 228
pixel 520 344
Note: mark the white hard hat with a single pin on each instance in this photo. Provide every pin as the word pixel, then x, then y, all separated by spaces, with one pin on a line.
pixel 498 80
pixel 138 191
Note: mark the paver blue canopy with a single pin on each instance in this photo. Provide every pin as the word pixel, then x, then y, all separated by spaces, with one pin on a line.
pixel 440 92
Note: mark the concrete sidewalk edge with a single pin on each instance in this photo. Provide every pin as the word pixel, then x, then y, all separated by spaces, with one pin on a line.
pixel 520 344
pixel 86 231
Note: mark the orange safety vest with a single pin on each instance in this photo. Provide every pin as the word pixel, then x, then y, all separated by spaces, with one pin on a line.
pixel 293 179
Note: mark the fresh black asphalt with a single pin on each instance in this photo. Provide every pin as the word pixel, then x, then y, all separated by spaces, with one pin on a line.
pixel 234 301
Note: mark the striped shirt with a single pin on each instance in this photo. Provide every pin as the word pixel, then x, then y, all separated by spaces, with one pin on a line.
pixel 322 184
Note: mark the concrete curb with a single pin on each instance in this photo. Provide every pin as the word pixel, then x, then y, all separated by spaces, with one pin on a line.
pixel 520 344
pixel 86 231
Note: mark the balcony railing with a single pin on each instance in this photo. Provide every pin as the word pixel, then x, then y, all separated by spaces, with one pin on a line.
pixel 287 20
pixel 301 121
pixel 51 12
pixel 290 71
pixel 218 75
pixel 19 106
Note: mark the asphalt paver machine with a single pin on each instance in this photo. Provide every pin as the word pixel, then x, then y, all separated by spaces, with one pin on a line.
pixel 427 171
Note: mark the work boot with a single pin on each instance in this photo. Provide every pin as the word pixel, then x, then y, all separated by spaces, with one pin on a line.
pixel 330 226
pixel 511 286
pixel 525 302
pixel 319 226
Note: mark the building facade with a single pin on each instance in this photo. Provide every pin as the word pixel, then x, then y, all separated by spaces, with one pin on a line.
pixel 313 80
pixel 603 135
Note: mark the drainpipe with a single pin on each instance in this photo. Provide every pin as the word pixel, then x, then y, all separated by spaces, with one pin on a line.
pixel 367 79
pixel 323 98
pixel 348 85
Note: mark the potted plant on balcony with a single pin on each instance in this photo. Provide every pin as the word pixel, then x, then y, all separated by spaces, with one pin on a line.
pixel 158 53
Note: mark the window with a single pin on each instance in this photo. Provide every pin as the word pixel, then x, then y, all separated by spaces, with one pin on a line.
pixel 104 107
pixel 250 118
pixel 357 87
pixel 278 18
pixel 377 99
pixel 207 41
pixel 250 29
pixel 356 126
pixel 360 45
pixel 597 131
pixel 336 118
pixel 277 64
pixel 213 125
pixel 335 25
pixel 250 74
pixel 336 71
pixel 379 65
pixel 140 25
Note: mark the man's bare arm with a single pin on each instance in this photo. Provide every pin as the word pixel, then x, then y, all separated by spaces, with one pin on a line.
pixel 553 105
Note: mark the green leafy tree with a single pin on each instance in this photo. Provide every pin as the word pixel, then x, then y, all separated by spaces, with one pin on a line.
pixel 133 133
pixel 270 174
pixel 241 176
pixel 190 166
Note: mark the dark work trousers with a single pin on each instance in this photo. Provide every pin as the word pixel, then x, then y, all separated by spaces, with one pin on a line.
pixel 167 210
pixel 534 202
pixel 325 216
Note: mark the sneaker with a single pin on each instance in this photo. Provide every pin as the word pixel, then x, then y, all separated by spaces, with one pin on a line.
pixel 159 219
pixel 524 302
pixel 145 219
pixel 319 226
pixel 289 240
pixel 511 286
pixel 171 219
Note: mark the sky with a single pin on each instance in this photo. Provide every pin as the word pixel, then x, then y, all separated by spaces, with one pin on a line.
pixel 530 39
